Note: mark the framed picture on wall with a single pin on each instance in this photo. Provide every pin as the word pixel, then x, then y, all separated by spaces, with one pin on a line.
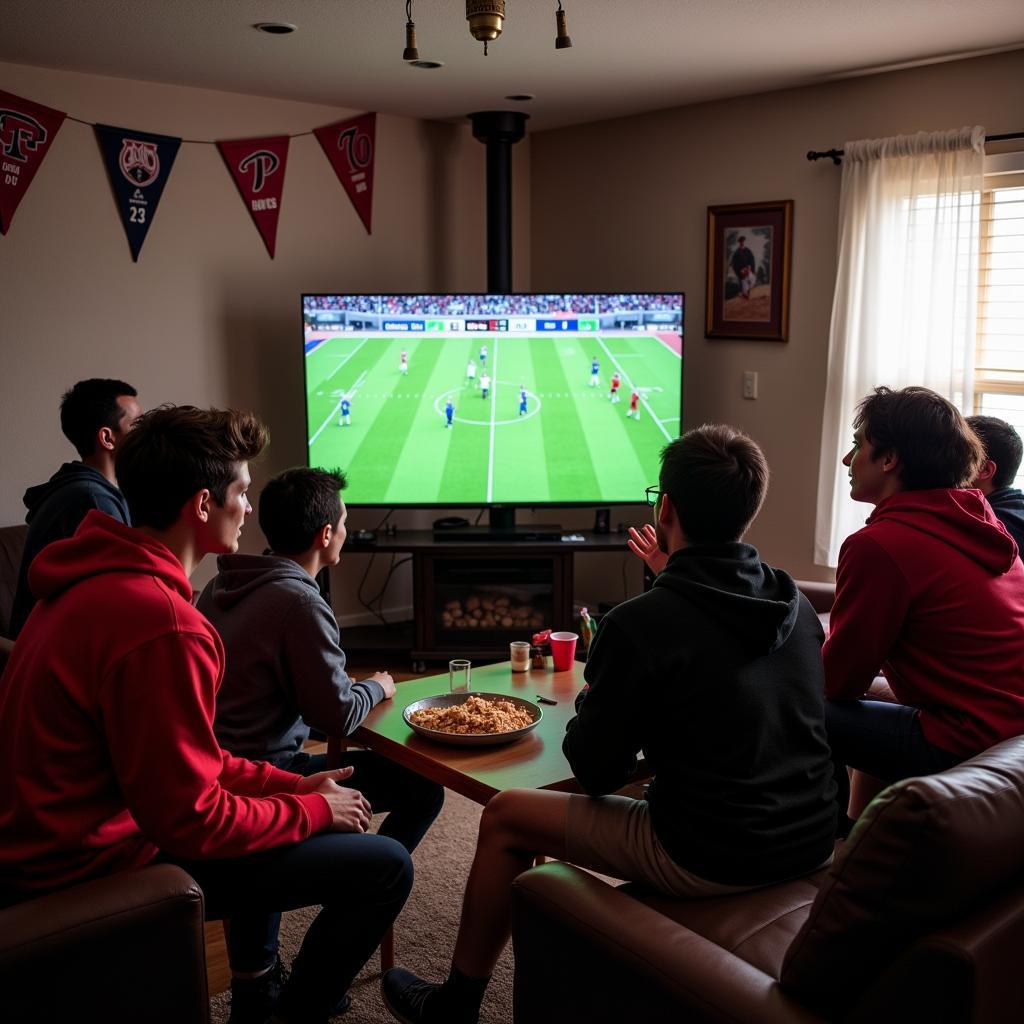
pixel 748 270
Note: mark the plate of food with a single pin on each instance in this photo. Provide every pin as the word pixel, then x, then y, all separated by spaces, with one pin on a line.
pixel 472 719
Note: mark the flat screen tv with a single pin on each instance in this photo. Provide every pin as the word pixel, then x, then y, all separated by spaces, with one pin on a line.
pixel 493 400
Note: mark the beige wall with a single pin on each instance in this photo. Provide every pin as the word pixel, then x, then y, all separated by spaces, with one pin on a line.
pixel 205 316
pixel 639 191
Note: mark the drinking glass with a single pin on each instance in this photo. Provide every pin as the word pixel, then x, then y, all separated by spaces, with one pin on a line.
pixel 519 653
pixel 458 675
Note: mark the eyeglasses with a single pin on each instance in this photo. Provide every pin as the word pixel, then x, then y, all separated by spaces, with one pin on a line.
pixel 653 494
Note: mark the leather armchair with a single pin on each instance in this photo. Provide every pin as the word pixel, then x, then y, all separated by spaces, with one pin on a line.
pixel 129 947
pixel 920 918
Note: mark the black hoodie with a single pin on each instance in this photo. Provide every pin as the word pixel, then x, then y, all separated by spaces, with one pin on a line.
pixel 54 511
pixel 1008 505
pixel 716 675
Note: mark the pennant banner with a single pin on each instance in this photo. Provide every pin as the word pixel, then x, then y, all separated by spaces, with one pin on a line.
pixel 350 147
pixel 27 131
pixel 257 165
pixel 138 164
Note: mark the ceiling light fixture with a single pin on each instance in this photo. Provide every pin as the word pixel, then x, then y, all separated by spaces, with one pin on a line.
pixel 410 52
pixel 487 19
pixel 562 40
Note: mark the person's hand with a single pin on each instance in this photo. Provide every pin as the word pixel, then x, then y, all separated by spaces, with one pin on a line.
pixel 644 544
pixel 350 811
pixel 386 682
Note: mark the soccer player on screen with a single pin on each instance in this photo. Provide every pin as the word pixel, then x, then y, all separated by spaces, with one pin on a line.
pixel 616 383
pixel 634 405
pixel 470 371
pixel 403 366
pixel 485 384
pixel 595 373
pixel 346 407
pixel 483 356
pixel 449 412
pixel 522 399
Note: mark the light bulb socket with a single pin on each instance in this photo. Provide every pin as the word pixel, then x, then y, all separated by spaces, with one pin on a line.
pixel 410 52
pixel 562 40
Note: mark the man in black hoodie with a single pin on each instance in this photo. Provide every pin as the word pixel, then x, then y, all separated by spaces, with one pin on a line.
pixel 716 675
pixel 1003 450
pixel 95 416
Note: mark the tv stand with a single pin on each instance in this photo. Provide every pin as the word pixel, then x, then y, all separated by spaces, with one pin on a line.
pixel 458 571
pixel 499 535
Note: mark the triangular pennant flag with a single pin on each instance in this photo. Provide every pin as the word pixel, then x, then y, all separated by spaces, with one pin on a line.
pixel 27 131
pixel 257 165
pixel 350 146
pixel 138 164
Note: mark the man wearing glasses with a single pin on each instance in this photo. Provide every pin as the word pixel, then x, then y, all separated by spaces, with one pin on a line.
pixel 716 674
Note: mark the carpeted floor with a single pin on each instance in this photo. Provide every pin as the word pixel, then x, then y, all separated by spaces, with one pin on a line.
pixel 425 932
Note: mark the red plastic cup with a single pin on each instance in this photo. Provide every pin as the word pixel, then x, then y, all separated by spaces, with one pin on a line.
pixel 563 650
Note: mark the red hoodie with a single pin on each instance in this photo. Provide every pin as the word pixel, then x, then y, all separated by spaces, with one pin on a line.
pixel 932 591
pixel 106 712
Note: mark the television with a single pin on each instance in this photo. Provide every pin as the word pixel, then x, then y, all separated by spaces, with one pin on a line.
pixel 499 401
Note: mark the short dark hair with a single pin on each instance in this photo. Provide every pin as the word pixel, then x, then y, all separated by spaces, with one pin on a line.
pixel 89 406
pixel 935 444
pixel 297 504
pixel 716 478
pixel 1002 445
pixel 174 451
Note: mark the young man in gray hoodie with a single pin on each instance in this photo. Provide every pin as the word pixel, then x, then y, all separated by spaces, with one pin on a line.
pixel 285 668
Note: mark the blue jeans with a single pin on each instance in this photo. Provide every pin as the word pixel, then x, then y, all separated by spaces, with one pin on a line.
pixel 881 739
pixel 413 803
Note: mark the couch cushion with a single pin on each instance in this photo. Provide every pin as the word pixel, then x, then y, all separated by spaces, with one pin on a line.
pixel 757 926
pixel 926 851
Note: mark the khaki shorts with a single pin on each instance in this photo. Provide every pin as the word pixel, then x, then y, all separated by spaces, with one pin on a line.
pixel 614 836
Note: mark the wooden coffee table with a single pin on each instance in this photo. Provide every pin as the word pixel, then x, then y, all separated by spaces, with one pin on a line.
pixel 533 762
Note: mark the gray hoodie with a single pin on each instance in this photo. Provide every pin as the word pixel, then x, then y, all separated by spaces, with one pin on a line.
pixel 285 667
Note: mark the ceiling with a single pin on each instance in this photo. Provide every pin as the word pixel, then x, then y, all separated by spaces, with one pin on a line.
pixel 628 56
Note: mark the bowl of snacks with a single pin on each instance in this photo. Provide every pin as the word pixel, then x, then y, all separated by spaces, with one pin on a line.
pixel 472 719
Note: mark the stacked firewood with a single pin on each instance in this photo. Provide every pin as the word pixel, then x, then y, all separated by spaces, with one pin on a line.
pixel 485 612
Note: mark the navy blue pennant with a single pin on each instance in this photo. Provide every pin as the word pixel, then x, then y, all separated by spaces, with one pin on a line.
pixel 139 165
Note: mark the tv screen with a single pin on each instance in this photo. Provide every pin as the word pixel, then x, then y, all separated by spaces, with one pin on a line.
pixel 435 400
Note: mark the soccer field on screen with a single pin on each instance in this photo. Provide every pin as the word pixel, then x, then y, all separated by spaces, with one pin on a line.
pixel 573 444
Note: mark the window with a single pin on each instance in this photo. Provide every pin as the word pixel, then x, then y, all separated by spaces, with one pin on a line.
pixel 999 365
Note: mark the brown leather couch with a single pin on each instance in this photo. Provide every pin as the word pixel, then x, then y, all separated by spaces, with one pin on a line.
pixel 919 919
pixel 125 948
pixel 12 544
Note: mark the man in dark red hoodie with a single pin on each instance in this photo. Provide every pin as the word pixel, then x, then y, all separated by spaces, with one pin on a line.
pixel 109 759
pixel 930 591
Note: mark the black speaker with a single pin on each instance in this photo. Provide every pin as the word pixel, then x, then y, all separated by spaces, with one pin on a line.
pixel 602 516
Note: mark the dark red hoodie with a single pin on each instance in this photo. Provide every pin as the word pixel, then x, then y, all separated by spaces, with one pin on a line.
pixel 932 592
pixel 106 712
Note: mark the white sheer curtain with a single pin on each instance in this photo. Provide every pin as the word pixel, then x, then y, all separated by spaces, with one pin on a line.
pixel 906 293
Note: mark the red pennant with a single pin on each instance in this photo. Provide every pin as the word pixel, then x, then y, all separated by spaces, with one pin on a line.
pixel 350 147
pixel 257 165
pixel 27 131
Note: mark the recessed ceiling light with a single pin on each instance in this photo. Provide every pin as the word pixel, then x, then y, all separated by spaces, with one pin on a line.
pixel 275 28
pixel 426 65
pixel 521 97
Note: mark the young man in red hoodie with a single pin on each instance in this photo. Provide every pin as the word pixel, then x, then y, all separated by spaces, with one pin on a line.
pixel 109 759
pixel 930 591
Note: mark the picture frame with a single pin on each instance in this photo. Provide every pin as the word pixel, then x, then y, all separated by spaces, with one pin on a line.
pixel 749 253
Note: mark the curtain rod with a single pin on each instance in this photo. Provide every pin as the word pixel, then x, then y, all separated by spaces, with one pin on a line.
pixel 836 154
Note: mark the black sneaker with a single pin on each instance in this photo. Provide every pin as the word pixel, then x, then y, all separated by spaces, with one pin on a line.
pixel 408 998
pixel 253 999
